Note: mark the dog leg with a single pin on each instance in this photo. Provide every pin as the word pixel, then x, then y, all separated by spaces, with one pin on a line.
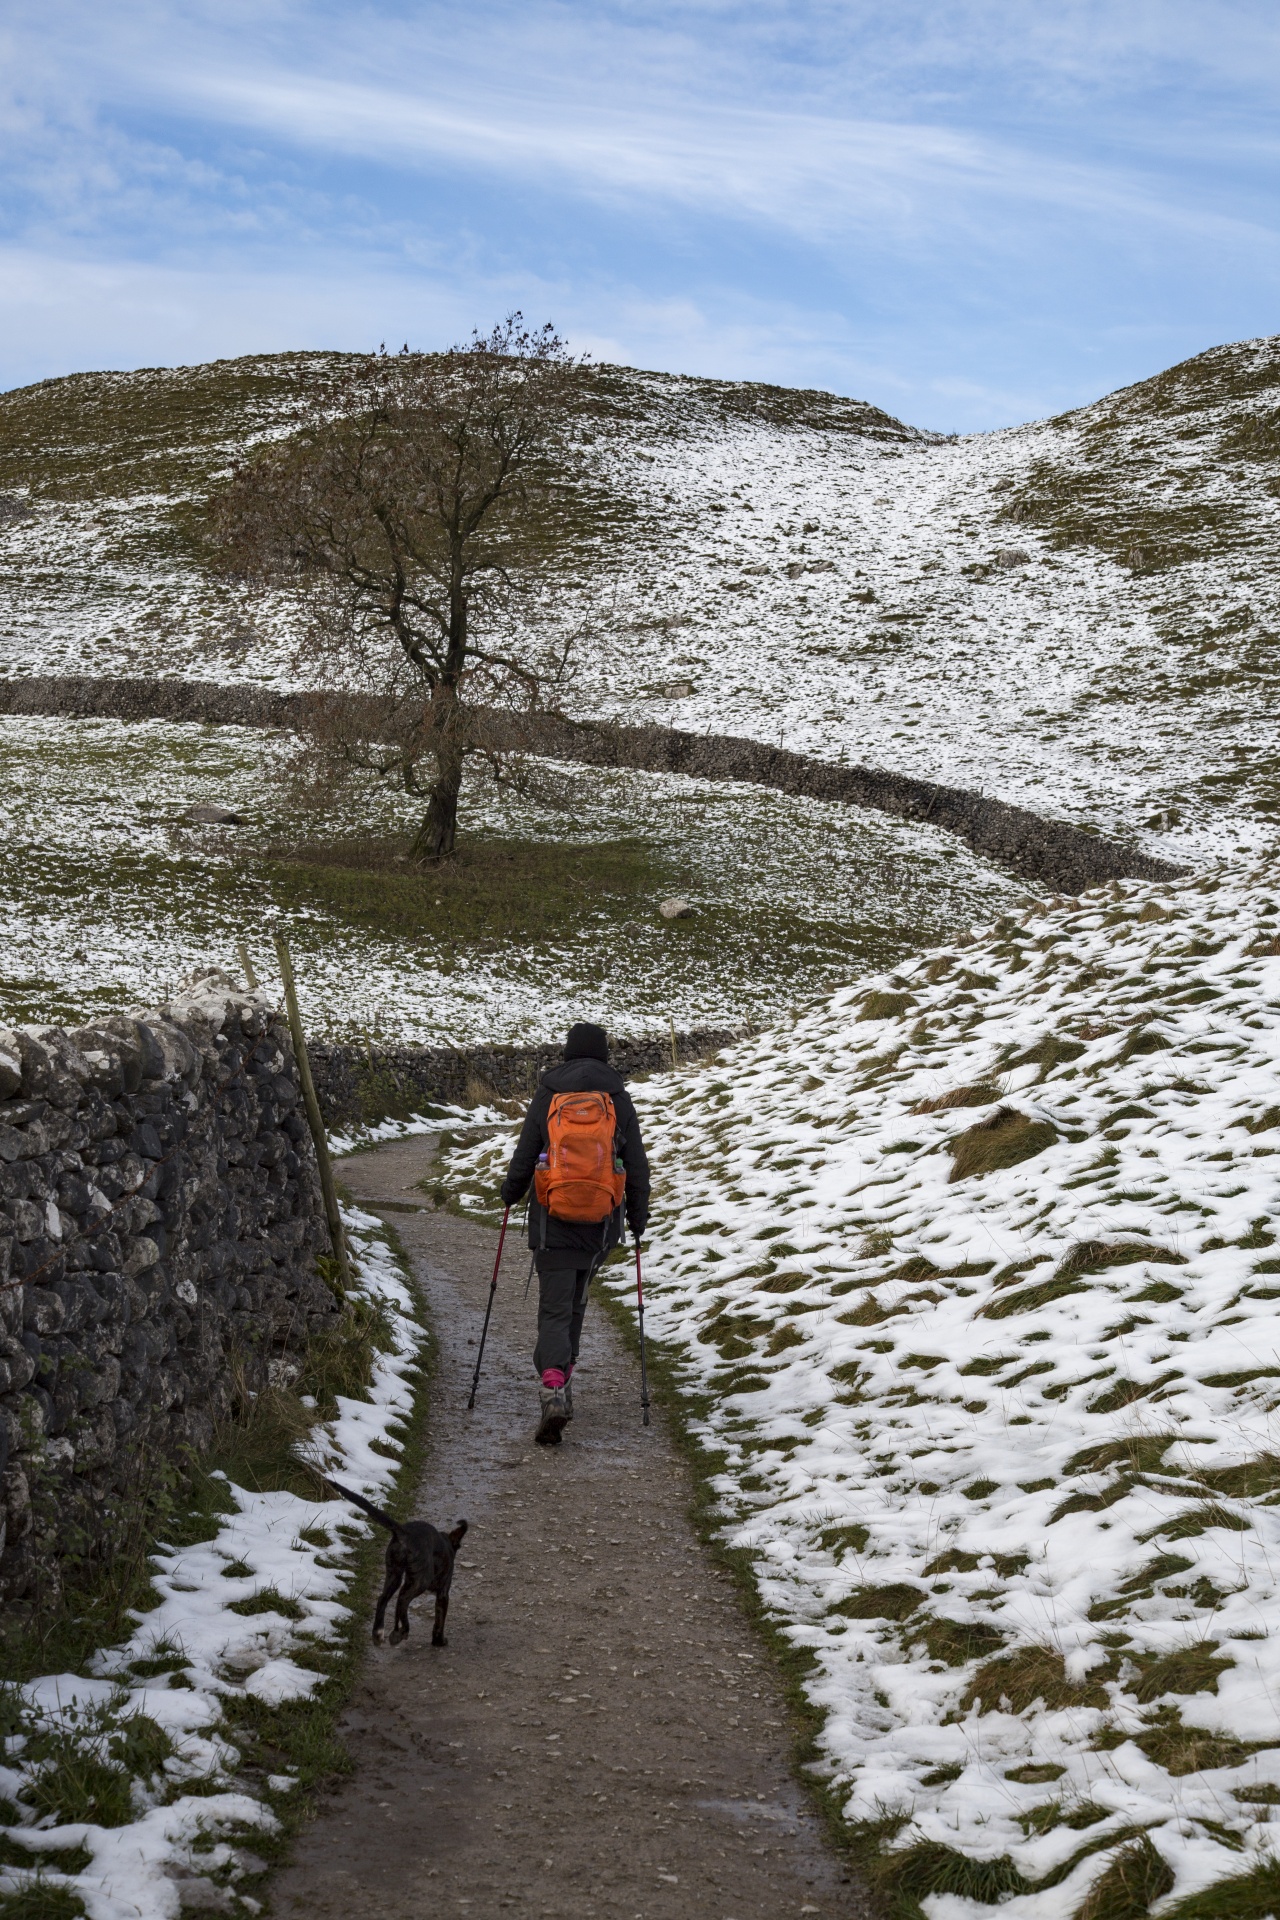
pixel 409 1591
pixel 394 1576
pixel 437 1627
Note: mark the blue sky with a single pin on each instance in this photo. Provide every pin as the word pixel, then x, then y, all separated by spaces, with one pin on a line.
pixel 971 213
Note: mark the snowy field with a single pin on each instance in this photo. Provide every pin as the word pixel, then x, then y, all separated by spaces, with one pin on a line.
pixel 109 894
pixel 253 1612
pixel 978 1265
pixel 1076 615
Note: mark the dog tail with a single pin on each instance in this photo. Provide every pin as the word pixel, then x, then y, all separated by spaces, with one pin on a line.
pixel 358 1499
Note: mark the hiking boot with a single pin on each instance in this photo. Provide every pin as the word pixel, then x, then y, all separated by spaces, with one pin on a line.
pixel 554 1419
pixel 568 1400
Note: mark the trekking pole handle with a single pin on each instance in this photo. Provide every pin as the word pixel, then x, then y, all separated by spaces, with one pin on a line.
pixel 484 1332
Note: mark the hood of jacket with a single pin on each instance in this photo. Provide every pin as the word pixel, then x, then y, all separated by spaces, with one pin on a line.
pixel 582 1076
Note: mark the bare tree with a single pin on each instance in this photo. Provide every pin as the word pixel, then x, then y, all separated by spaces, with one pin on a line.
pixel 416 514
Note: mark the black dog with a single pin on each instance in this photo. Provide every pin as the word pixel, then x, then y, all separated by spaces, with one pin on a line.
pixel 419 1560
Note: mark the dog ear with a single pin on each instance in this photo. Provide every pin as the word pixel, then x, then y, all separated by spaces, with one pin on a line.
pixel 455 1538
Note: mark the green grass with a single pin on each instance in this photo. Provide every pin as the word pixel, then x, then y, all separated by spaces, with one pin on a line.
pixel 87 1764
pixel 102 1585
pixel 1247 1896
pixel 532 887
pixel 41 1901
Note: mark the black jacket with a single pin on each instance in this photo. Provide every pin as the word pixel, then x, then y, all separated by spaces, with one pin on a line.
pixel 570 1236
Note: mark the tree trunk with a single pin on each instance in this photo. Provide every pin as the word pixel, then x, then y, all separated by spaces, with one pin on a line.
pixel 437 836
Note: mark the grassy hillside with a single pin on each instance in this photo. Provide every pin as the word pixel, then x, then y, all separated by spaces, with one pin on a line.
pixel 1078 615
pixel 971 1278
pixel 1075 614
pixel 111 892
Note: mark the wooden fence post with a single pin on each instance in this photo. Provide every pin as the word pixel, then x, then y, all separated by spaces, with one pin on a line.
pixel 246 967
pixel 312 1104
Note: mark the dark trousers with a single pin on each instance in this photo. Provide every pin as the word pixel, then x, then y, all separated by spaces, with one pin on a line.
pixel 562 1302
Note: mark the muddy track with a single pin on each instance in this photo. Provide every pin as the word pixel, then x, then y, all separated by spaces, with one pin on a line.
pixel 1049 853
pixel 603 1735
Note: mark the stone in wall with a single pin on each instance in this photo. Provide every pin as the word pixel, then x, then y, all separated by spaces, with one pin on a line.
pixel 160 1219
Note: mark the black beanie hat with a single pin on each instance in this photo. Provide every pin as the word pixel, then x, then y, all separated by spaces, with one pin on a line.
pixel 586 1042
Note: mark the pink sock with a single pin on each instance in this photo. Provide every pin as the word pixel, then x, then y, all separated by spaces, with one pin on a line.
pixel 552 1379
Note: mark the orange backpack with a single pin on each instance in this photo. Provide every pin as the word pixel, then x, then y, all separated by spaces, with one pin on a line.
pixel 582 1179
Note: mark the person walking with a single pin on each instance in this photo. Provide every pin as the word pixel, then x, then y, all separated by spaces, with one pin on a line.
pixel 580 1149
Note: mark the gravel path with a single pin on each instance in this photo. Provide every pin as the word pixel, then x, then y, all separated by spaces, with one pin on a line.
pixel 603 1735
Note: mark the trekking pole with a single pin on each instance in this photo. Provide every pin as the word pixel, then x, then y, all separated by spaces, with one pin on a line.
pixel 644 1373
pixel 484 1334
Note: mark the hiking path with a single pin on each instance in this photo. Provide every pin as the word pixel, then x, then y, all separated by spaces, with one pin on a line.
pixel 604 1735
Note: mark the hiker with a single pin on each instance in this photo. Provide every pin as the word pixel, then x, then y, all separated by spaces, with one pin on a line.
pixel 580 1146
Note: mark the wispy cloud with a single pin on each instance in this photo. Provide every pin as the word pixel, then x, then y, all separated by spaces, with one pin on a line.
pixel 958 201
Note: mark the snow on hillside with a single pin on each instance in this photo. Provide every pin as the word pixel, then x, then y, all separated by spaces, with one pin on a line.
pixel 139 1740
pixel 110 892
pixel 1076 615
pixel 977 1266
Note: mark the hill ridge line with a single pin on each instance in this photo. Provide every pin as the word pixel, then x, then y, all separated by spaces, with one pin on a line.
pixel 1035 848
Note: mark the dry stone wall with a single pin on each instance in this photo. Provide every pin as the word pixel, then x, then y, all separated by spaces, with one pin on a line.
pixel 360 1084
pixel 160 1220
pixel 1048 853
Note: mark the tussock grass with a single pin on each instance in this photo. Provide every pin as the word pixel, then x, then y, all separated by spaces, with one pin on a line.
pixel 894 1601
pixel 1181 1749
pixel 909 1876
pixel 1250 1896
pixel 1139 1452
pixel 1185 1670
pixel 1005 1139
pixel 39 1900
pixel 1193 1521
pixel 1053 1051
pixel 1032 1675
pixel 981 1094
pixel 1244 1482
pixel 956 1642
pixel 851 1538
pixel 1096 1256
pixel 1135 1878
pixel 1027 1299
pixel 885 1006
pixel 87 1763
